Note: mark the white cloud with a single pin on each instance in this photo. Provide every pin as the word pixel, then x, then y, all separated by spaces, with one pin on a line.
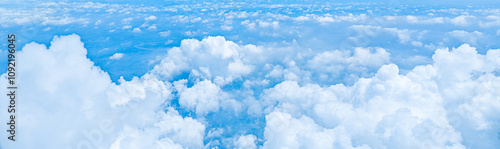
pixel 264 24
pixel 431 106
pixel 127 20
pixel 97 22
pixel 326 118
pixel 226 28
pixel 285 90
pixel 181 18
pixel 284 131
pixel 352 18
pixel 332 64
pixel 246 142
pixel 203 97
pixel 365 57
pixel 325 19
pixel 368 32
pixel 468 37
pixel 117 56
pixel 424 20
pixel 249 25
pixel 62 83
pixel 417 43
pixel 164 33
pixel 136 30
pixel 152 28
pixel 190 33
pixel 462 20
pixel 150 18
pixel 221 57
pixel 197 19
pixel 169 41
pixel 239 68
pixel 181 132
pixel 243 14
pixel 491 21
pixel 448 103
pixel 126 27
pixel 301 18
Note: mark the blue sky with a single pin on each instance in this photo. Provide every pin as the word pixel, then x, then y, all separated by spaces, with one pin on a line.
pixel 245 74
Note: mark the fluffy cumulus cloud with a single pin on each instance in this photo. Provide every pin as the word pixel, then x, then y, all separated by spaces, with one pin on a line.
pixel 215 92
pixel 117 56
pixel 136 30
pixel 432 106
pixel 462 20
pixel 275 74
pixel 150 18
pixel 74 103
pixel 203 97
pixel 181 132
pixel 246 142
pixel 212 58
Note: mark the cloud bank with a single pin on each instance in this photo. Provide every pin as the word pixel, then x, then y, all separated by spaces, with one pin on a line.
pixel 271 97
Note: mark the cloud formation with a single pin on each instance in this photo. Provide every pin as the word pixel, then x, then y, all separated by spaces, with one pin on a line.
pixel 270 74
pixel 74 102
pixel 283 93
pixel 117 56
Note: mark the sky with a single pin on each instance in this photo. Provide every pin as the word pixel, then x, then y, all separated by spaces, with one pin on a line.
pixel 253 74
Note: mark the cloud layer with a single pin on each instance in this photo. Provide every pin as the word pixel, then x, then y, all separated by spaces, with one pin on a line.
pixel 215 92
